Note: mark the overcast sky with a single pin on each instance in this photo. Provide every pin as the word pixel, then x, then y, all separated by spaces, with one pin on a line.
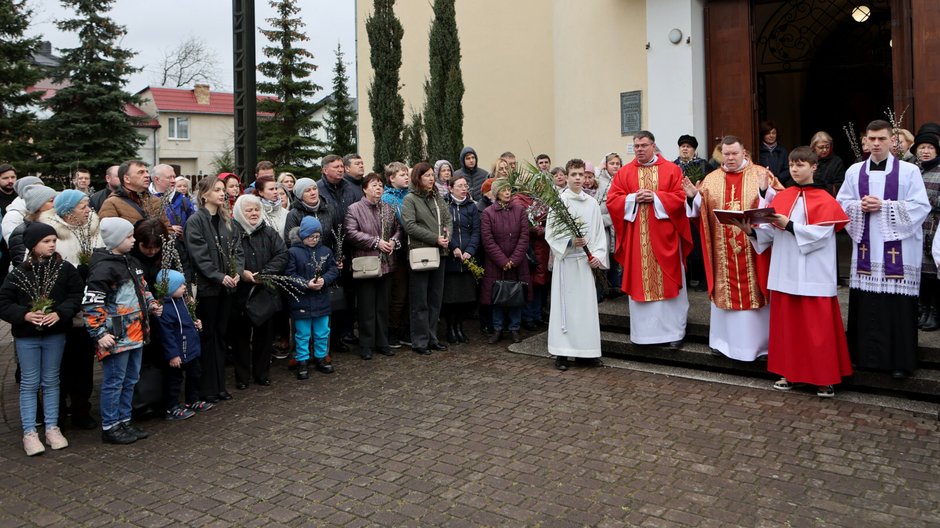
pixel 157 25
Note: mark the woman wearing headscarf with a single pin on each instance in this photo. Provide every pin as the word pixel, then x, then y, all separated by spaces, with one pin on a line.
pixel 272 205
pixel 443 172
pixel 255 303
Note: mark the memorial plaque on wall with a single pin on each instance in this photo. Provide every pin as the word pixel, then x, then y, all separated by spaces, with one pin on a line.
pixel 631 113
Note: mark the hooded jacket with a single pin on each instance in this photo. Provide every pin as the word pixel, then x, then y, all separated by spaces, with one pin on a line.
pixel 475 176
pixel 178 333
pixel 302 262
pixel 116 299
pixel 120 204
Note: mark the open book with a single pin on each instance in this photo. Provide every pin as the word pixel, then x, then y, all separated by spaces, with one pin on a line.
pixel 750 216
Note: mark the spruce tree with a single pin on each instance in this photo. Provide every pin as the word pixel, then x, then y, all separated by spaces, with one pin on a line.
pixel 340 114
pixel 287 137
pixel 17 73
pixel 443 107
pixel 414 139
pixel 385 103
pixel 88 126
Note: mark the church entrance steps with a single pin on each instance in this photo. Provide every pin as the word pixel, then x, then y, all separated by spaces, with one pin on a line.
pixel 695 354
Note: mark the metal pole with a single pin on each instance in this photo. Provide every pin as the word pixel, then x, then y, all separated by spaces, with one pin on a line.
pixel 246 115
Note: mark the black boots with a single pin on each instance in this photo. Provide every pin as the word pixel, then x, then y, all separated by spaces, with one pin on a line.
pixel 451 333
pixel 929 322
pixel 458 330
pixel 497 335
pixel 302 372
pixel 324 365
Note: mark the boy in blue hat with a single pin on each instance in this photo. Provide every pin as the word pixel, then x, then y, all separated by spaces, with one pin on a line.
pixel 180 346
pixel 312 262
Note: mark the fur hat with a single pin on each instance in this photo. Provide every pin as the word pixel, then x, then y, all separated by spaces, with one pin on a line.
pixel 114 230
pixel 686 139
pixel 926 138
pixel 309 226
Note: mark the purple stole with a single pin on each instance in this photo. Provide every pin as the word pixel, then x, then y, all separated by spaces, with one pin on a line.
pixel 893 257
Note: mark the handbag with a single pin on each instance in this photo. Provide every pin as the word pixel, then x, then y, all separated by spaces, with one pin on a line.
pixel 509 293
pixel 426 258
pixel 367 267
pixel 262 304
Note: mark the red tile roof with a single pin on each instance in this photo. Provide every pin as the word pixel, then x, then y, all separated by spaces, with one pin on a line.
pixel 145 120
pixel 184 100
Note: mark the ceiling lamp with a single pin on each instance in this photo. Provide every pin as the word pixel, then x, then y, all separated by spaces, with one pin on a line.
pixel 861 13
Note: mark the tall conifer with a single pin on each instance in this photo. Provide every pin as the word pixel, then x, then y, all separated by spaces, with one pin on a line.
pixel 414 139
pixel 340 113
pixel 385 103
pixel 17 73
pixel 443 109
pixel 88 126
pixel 287 137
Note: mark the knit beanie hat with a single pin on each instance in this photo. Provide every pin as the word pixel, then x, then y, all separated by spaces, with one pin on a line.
pixel 114 230
pixel 500 184
pixel 589 167
pixel 174 280
pixel 301 185
pixel 24 182
pixel 36 196
pixel 68 200
pixel 309 225
pixel 35 232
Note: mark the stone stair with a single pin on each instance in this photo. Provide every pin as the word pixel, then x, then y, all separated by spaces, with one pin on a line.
pixel 615 337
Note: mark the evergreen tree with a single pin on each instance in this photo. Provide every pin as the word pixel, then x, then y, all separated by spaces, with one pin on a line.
pixel 340 114
pixel 385 103
pixel 287 137
pixel 17 73
pixel 443 107
pixel 88 126
pixel 414 139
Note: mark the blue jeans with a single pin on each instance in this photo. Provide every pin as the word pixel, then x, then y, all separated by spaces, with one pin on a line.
pixel 121 372
pixel 303 328
pixel 40 358
pixel 514 314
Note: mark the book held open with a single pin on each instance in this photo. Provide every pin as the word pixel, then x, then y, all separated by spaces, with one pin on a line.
pixel 750 216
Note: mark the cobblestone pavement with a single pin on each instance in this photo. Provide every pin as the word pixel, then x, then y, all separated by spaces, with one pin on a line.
pixel 477 436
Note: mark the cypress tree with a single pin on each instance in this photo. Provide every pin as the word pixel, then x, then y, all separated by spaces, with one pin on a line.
pixel 385 103
pixel 287 137
pixel 443 107
pixel 414 139
pixel 340 114
pixel 17 73
pixel 88 126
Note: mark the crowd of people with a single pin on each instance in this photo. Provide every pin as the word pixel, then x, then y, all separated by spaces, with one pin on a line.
pixel 151 272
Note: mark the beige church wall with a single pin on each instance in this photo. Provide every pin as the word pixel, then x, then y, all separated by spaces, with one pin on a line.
pixel 540 75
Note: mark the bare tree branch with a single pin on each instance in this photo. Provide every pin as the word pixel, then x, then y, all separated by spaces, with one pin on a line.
pixel 191 62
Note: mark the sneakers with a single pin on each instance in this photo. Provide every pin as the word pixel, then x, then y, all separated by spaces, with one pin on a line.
pixel 825 391
pixel 32 445
pixel 179 413
pixel 783 385
pixel 117 435
pixel 302 372
pixel 139 433
pixel 55 439
pixel 199 406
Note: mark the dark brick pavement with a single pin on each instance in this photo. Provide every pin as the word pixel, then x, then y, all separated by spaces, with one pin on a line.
pixel 481 437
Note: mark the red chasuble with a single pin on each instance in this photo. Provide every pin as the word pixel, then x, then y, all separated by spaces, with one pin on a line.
pixel 737 275
pixel 651 250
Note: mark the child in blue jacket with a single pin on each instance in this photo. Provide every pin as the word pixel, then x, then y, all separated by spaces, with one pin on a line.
pixel 181 347
pixel 311 262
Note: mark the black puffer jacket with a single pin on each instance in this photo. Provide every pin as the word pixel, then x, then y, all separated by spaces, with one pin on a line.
pixel 15 301
pixel 323 213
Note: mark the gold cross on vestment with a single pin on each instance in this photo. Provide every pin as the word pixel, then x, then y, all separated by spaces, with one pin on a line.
pixel 863 249
pixel 734 205
pixel 894 254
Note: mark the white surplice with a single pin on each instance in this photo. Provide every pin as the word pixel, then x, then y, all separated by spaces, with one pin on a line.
pixel 574 326
pixel 899 219
pixel 655 322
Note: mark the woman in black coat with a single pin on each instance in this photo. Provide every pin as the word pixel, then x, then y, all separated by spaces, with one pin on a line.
pixel 265 253
pixel 460 287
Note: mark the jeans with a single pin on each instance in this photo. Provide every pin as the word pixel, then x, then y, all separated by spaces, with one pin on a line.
pixel 320 328
pixel 533 310
pixel 39 358
pixel 121 372
pixel 173 382
pixel 514 314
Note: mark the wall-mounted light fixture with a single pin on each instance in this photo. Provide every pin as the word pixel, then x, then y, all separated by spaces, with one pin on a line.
pixel 675 36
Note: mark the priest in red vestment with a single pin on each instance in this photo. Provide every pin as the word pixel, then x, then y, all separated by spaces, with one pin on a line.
pixel 647 206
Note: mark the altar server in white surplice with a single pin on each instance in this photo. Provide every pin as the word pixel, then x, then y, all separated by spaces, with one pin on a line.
pixel 573 326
